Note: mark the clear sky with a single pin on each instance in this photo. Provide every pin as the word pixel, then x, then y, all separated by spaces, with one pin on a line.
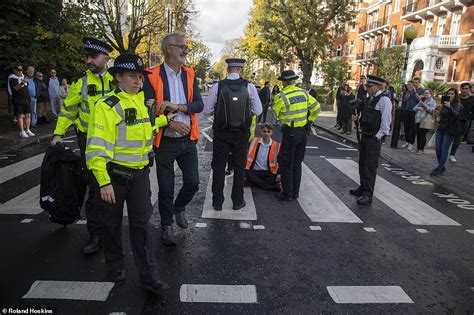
pixel 220 20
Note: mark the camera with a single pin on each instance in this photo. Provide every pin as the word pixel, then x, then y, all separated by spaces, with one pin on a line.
pixel 355 103
pixel 444 98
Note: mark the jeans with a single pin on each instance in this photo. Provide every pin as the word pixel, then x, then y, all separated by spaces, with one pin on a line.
pixel 184 152
pixel 55 102
pixel 443 141
pixel 34 117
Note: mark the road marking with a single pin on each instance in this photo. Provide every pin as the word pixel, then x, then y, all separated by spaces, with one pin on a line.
pixel 348 157
pixel 368 294
pixel 69 290
pixel 247 213
pixel 211 119
pixel 347 149
pixel 206 136
pixel 259 227
pixel 245 225
pixel 81 222
pixel 313 131
pixel 406 205
pixel 209 293
pixel 19 168
pixel 370 229
pixel 26 203
pixel 315 228
pixel 470 231
pixel 344 145
pixel 208 127
pixel 310 147
pixel 422 231
pixel 320 203
pixel 26 221
pixel 201 225
pixel 68 141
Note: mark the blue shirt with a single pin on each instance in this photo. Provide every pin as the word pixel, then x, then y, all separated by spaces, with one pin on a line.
pixel 32 87
pixel 53 87
pixel 412 100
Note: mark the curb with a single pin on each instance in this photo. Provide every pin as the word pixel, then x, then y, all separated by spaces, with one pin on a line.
pixel 39 140
pixel 351 141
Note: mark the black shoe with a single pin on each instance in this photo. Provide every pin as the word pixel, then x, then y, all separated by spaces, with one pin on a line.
pixel 364 200
pixel 229 172
pixel 167 236
pixel 93 245
pixel 239 206
pixel 435 172
pixel 117 275
pixel 217 207
pixel 355 192
pixel 284 197
pixel 181 220
pixel 296 196
pixel 156 288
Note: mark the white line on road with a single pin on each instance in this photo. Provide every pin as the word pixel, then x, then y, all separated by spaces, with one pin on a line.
pixel 201 225
pixel 470 231
pixel 422 231
pixel 26 221
pixel 344 145
pixel 81 222
pixel 406 205
pixel 320 203
pixel 247 213
pixel 206 136
pixel 313 131
pixel 347 149
pixel 259 227
pixel 26 203
pixel 208 127
pixel 209 293
pixel 310 147
pixel 245 225
pixel 19 168
pixel 211 119
pixel 315 228
pixel 368 294
pixel 370 229
pixel 69 290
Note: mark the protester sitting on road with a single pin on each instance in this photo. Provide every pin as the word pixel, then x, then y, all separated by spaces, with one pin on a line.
pixel 21 101
pixel 467 102
pixel 261 169
pixel 423 109
pixel 445 131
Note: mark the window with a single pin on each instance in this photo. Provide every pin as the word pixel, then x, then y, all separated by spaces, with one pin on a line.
pixel 441 25
pixel 339 51
pixel 353 24
pixel 439 63
pixel 456 21
pixel 351 47
pixel 428 27
pixel 344 52
pixel 385 40
pixel 397 5
pixel 453 75
pixel 393 37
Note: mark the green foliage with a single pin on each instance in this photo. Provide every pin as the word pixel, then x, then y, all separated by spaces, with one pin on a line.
pixel 389 65
pixel 438 88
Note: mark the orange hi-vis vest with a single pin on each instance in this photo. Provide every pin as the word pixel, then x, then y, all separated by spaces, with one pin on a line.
pixel 272 155
pixel 157 84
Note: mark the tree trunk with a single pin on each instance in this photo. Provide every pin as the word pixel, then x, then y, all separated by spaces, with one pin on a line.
pixel 307 68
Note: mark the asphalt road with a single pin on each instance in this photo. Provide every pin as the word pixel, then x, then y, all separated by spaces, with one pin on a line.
pixel 411 251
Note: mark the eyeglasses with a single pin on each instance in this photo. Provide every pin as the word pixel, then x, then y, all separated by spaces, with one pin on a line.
pixel 266 131
pixel 184 48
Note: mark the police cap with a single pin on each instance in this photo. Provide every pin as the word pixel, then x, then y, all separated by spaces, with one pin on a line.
pixel 372 79
pixel 128 62
pixel 288 75
pixel 94 46
pixel 235 62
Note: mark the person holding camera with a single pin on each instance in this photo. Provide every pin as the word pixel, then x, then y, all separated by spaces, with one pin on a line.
pixel 376 115
pixel 446 131
pixel 424 112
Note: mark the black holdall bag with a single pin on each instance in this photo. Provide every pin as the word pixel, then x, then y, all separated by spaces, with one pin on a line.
pixel 61 185
pixel 233 106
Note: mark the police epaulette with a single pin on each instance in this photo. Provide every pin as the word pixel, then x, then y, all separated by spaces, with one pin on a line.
pixel 112 101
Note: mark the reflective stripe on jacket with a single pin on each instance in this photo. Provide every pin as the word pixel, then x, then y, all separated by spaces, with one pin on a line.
pixel 253 126
pixel 272 154
pixel 79 104
pixel 157 83
pixel 111 139
pixel 292 106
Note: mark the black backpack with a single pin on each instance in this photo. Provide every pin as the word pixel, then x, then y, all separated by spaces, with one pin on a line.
pixel 61 189
pixel 233 106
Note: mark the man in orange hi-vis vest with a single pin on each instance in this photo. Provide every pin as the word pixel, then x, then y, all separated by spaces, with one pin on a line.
pixel 174 88
pixel 261 169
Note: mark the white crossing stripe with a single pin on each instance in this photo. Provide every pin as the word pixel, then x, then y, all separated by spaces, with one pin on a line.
pixel 412 209
pixel 259 227
pixel 369 229
pixel 209 293
pixel 368 294
pixel 320 203
pixel 201 225
pixel 81 222
pixel 245 225
pixel 26 203
pixel 310 147
pixel 470 231
pixel 247 213
pixel 26 221
pixel 69 290
pixel 333 141
pixel 347 149
pixel 206 136
pixel 422 231
pixel 19 168
pixel 315 228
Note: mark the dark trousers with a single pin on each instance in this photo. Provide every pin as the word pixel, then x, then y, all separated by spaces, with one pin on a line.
pixel 93 204
pixel 420 137
pixel 293 147
pixel 226 141
pixel 263 117
pixel 265 180
pixel 184 152
pixel 409 126
pixel 136 191
pixel 369 152
pixel 347 124
pixel 456 143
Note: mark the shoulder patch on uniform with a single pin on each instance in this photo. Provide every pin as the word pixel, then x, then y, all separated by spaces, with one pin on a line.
pixel 112 101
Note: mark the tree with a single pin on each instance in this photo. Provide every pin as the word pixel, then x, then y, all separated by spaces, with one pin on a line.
pixel 333 72
pixel 389 65
pixel 437 88
pixel 300 26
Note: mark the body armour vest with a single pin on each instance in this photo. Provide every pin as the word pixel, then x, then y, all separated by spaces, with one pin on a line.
pixel 371 118
pixel 233 106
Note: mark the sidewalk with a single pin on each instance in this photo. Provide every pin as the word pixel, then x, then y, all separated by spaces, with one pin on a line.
pixel 458 177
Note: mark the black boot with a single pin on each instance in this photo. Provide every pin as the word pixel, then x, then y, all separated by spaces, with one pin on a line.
pixel 167 236
pixel 93 245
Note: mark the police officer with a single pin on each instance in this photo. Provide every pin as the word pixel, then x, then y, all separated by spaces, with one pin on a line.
pixel 118 154
pixel 233 102
pixel 77 108
pixel 294 108
pixel 375 124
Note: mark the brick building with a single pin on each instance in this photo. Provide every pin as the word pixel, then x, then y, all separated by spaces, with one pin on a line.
pixel 443 50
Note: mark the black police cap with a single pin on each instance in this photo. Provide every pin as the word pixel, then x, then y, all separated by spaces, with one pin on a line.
pixel 288 75
pixel 94 46
pixel 128 62
pixel 235 62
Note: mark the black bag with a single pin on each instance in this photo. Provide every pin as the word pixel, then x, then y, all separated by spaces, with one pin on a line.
pixel 61 189
pixel 459 125
pixel 233 106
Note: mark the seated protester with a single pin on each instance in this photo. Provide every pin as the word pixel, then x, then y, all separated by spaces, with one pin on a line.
pixel 262 166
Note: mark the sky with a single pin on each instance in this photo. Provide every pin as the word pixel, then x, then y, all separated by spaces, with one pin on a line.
pixel 220 20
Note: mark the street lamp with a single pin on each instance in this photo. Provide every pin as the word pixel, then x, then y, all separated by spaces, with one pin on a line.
pixel 409 34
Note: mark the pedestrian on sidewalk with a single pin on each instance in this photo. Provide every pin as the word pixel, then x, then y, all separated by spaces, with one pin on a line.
pixel 53 84
pixel 174 88
pixel 339 97
pixel 77 109
pixel 42 103
pixel 233 101
pixel 264 95
pixel 291 109
pixel 445 132
pixel 11 109
pixel 119 143
pixel 361 89
pixel 21 101
pixel 416 92
pixel 63 91
pixel 34 91
pixel 375 124
pixel 346 111
pixel 467 102
pixel 262 161
pixel 424 110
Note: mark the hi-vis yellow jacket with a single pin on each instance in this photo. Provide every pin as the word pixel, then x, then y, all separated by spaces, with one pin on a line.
pixel 80 101
pixel 111 139
pixel 292 106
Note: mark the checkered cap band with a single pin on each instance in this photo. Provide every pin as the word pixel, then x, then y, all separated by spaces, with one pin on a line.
pixel 89 45
pixel 127 65
pixel 375 81
pixel 235 64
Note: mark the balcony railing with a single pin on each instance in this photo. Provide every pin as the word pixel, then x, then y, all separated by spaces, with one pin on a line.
pixel 374 25
pixel 367 55
pixel 419 5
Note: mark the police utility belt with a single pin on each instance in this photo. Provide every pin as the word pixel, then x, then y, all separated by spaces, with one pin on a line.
pixel 291 128
pixel 126 172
